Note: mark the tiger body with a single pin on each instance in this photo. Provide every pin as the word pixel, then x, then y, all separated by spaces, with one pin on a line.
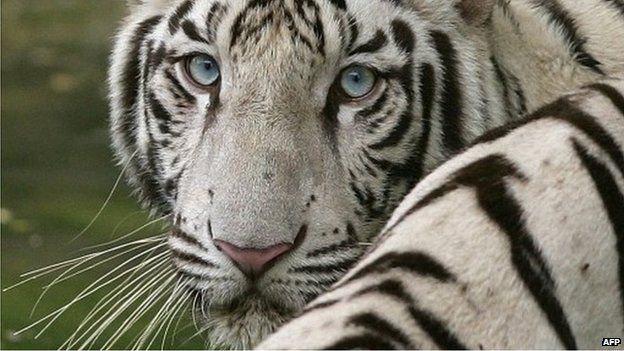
pixel 272 155
pixel 516 243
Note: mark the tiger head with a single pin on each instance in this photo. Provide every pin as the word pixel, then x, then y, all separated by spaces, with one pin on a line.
pixel 279 135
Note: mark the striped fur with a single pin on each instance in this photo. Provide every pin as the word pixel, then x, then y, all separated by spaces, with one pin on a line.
pixel 539 259
pixel 273 156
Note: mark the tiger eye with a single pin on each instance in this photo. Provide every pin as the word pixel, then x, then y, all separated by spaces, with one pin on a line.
pixel 357 81
pixel 202 70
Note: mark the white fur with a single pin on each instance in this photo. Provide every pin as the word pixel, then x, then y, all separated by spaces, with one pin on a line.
pixel 265 150
pixel 489 307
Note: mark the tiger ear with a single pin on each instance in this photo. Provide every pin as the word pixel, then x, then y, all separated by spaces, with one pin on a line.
pixel 471 12
pixel 151 4
pixel 475 12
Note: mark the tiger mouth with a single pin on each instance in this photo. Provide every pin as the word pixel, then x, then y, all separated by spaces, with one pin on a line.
pixel 251 299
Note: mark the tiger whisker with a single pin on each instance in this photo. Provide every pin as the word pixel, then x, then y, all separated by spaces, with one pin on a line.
pixel 108 198
pixel 92 288
pixel 159 319
pixel 123 220
pixel 129 288
pixel 163 314
pixel 144 307
pixel 139 245
pixel 193 313
pixel 126 235
pixel 183 302
pixel 118 307
pixel 175 329
pixel 39 272
pixel 61 278
pixel 160 282
pixel 183 328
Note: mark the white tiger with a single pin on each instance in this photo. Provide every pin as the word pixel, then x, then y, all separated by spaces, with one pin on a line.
pixel 518 242
pixel 280 135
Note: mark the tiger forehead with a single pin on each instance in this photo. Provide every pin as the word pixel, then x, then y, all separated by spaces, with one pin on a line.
pixel 291 24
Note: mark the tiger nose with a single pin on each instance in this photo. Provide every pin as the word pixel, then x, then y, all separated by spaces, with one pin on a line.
pixel 252 261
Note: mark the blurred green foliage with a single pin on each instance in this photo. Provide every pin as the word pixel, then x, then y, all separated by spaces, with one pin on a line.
pixel 57 167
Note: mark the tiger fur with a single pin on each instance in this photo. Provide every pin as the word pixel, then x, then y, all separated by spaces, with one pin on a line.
pixel 517 243
pixel 273 156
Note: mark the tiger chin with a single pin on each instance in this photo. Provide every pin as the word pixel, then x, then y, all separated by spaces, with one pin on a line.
pixel 242 325
pixel 278 136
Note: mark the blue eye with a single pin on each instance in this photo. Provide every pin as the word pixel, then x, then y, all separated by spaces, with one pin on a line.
pixel 357 81
pixel 203 70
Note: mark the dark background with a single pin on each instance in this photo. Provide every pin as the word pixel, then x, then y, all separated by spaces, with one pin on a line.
pixel 57 166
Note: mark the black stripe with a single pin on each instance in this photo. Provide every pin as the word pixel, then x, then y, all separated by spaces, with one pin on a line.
pixel 318 28
pixel 390 287
pixel 339 4
pixel 502 208
pixel 611 93
pixel 414 262
pixel 181 11
pixel 565 111
pixel 153 186
pixel 238 28
pixel 296 33
pixel 184 272
pixel 329 117
pixel 437 330
pixel 563 20
pixel 376 107
pixel 317 285
pixel 351 233
pixel 452 100
pixel 616 4
pixel 171 185
pixel 190 257
pixel 404 38
pixel 338 267
pixel 336 247
pixel 427 90
pixel 487 177
pixel 156 57
pixel 132 76
pixel 354 33
pixel 366 198
pixel 378 325
pixel 213 19
pixel 434 327
pixel 612 200
pixel 365 341
pixel 190 29
pixel 314 23
pixel 377 42
pixel 130 79
pixel 186 95
pixel 497 165
pixel 182 235
pixel 158 110
pixel 320 305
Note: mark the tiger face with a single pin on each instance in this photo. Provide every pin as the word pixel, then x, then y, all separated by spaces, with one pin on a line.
pixel 279 135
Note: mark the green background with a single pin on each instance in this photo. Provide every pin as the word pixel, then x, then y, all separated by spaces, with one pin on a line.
pixel 57 166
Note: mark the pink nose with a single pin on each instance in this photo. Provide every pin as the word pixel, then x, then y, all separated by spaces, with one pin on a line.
pixel 251 261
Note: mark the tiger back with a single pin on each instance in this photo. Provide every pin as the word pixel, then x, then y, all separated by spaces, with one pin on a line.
pixel 516 243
